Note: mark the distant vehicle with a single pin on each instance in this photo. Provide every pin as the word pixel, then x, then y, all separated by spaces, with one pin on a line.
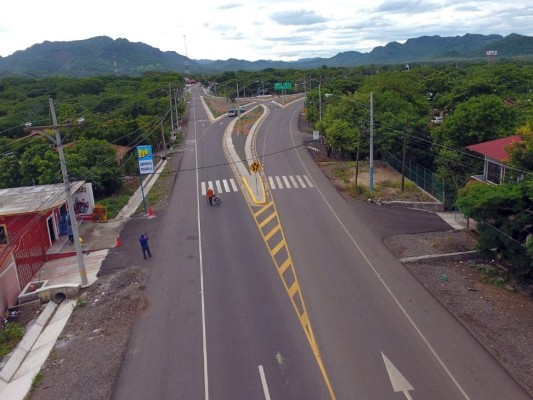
pixel 242 109
pixel 232 113
pixel 436 120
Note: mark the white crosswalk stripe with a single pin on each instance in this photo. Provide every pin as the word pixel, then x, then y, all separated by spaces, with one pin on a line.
pixel 290 182
pixel 293 181
pixel 226 186
pixel 219 186
pixel 275 183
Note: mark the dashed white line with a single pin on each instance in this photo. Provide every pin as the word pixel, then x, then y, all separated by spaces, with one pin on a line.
pixel 264 382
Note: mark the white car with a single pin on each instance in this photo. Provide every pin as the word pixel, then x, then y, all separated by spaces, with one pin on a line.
pixel 436 120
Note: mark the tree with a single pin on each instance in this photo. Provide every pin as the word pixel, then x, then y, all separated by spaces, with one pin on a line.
pixel 521 153
pixel 477 120
pixel 504 217
pixel 94 161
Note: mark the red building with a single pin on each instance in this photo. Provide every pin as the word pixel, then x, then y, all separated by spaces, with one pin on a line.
pixel 32 220
pixel 495 154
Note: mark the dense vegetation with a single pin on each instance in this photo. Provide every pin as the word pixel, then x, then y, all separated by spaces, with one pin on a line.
pixel 478 102
pixel 116 111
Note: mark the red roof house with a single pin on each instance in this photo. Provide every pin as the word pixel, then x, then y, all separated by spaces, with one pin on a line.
pixel 495 157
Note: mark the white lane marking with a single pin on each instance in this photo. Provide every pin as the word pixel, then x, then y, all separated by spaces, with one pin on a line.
pixel 287 184
pixel 264 382
pixel 278 180
pixel 302 184
pixel 309 182
pixel 219 186
pixel 385 286
pixel 398 381
pixel 210 185
pixel 201 262
pixel 204 190
pixel 271 180
pixel 233 184
pixel 226 186
pixel 293 181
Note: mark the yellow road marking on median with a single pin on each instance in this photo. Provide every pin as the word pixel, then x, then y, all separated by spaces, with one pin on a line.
pixel 272 232
pixel 294 290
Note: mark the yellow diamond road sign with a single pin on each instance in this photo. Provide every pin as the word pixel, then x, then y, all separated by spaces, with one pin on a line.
pixel 255 167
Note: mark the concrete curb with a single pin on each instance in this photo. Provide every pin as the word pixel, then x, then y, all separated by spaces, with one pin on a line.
pixel 25 345
pixel 21 380
pixel 466 255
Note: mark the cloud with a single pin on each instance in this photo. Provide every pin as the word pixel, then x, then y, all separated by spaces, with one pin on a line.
pixel 229 6
pixel 300 17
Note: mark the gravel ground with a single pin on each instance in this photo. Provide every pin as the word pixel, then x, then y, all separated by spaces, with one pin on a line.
pixel 475 292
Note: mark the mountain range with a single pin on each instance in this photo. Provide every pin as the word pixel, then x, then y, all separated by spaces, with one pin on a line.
pixel 105 56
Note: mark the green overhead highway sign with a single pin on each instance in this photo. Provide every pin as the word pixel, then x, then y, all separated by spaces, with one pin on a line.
pixel 282 86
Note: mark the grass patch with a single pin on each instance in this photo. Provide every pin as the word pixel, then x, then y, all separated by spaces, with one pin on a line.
pixel 114 204
pixel 37 379
pixel 491 274
pixel 159 190
pixel 343 173
pixel 80 302
pixel 9 337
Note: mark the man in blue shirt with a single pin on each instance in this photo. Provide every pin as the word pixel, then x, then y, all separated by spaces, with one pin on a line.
pixel 143 240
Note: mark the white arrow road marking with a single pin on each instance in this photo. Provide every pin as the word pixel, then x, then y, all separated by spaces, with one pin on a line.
pixel 399 383
pixel 264 382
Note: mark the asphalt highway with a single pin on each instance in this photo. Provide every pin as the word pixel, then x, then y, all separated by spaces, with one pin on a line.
pixel 293 299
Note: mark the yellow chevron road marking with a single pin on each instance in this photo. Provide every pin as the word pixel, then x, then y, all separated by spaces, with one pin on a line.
pixel 268 215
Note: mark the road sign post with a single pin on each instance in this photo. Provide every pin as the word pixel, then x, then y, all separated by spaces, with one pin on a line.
pixel 255 167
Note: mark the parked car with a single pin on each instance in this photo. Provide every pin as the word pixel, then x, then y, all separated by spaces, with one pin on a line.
pixel 436 120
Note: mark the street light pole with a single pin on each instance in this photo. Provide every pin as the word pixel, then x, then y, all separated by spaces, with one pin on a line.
pixel 72 214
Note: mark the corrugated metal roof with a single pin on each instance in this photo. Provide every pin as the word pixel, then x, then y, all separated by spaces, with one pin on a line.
pixel 29 199
pixel 495 149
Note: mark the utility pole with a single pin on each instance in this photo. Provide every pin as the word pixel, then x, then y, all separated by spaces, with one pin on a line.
pixel 170 102
pixel 404 158
pixel 164 142
pixel 371 183
pixel 73 222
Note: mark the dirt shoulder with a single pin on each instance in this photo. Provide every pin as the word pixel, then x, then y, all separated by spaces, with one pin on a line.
pixel 478 294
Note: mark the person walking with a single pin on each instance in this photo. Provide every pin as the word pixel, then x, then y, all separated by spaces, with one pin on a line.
pixel 210 194
pixel 143 240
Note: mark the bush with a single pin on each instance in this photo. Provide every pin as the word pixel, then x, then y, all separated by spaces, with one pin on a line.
pixel 9 337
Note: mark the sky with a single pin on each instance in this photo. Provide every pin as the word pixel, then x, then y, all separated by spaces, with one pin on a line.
pixel 282 30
